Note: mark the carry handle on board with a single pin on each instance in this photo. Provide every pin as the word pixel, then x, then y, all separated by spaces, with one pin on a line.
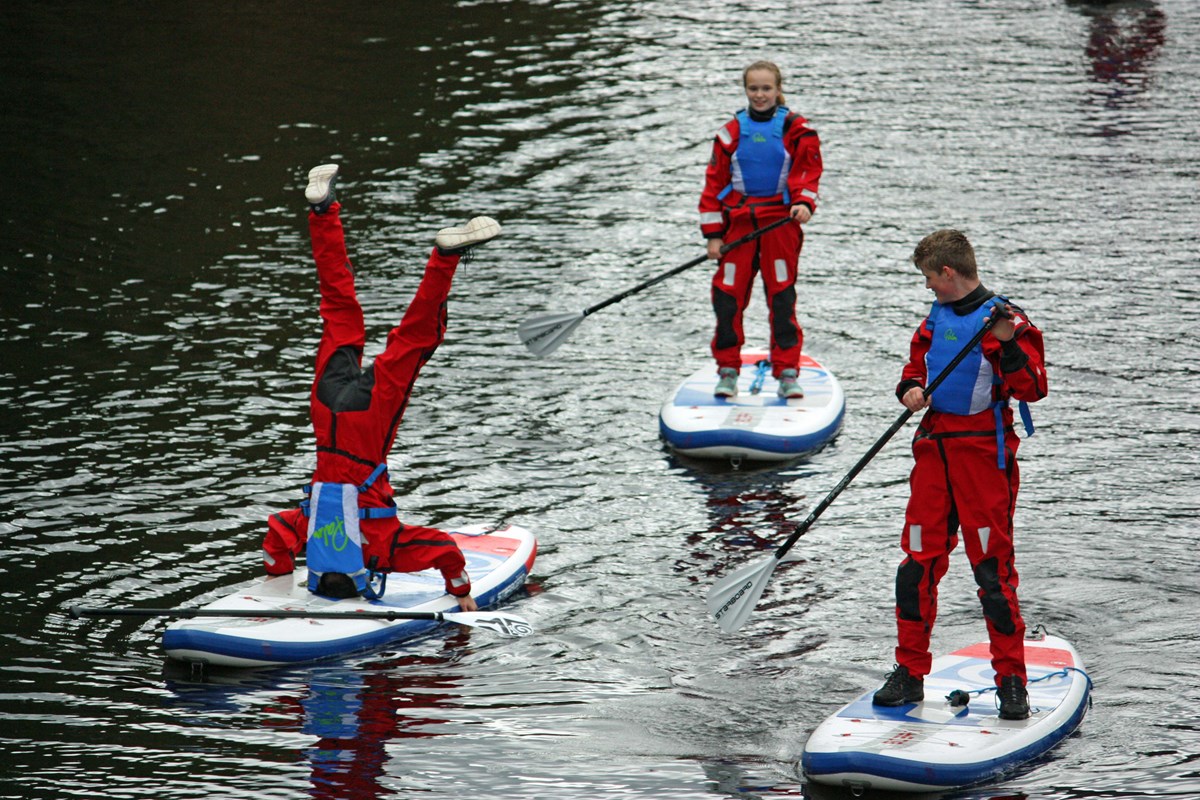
pixel 544 333
pixel 733 598
pixel 496 621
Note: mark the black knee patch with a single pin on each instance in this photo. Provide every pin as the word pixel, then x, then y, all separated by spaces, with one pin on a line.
pixel 908 590
pixel 726 308
pixel 991 597
pixel 782 330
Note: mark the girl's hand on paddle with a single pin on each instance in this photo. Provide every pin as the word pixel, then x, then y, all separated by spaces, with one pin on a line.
pixel 467 603
pixel 914 399
pixel 801 213
pixel 714 249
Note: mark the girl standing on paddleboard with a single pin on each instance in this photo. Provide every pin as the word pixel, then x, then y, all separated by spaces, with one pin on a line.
pixel 765 166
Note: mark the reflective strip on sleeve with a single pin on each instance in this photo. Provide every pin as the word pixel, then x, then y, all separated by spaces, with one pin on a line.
pixel 711 218
pixel 725 136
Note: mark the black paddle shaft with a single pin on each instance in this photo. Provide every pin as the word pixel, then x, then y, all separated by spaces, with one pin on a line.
pixel 274 613
pixel 888 434
pixel 754 234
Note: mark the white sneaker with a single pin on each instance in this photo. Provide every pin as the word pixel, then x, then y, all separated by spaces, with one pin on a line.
pixel 319 193
pixel 459 240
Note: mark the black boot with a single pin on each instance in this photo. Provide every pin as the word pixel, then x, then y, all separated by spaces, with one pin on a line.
pixel 899 689
pixel 1014 700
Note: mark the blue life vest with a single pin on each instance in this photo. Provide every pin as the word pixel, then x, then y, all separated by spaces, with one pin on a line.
pixel 334 537
pixel 760 164
pixel 969 388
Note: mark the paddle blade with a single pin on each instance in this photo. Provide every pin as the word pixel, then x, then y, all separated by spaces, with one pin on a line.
pixel 732 600
pixel 543 334
pixel 496 621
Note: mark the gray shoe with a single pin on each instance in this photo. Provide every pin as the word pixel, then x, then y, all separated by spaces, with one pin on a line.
pixel 319 193
pixel 788 386
pixel 451 241
pixel 727 386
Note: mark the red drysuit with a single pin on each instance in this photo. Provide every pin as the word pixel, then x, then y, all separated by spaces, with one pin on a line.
pixel 956 483
pixel 355 411
pixel 775 254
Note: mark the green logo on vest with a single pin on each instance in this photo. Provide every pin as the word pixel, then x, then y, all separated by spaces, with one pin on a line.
pixel 950 337
pixel 758 138
pixel 333 535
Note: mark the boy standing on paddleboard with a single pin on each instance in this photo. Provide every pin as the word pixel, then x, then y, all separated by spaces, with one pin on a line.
pixel 349 520
pixel 965 474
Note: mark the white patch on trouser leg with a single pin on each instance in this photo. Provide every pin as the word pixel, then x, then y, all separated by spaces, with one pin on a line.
pixel 914 538
pixel 780 270
pixel 730 273
pixel 984 535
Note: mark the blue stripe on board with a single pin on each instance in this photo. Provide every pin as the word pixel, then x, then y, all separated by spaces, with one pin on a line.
pixel 294 652
pixel 939 775
pixel 750 440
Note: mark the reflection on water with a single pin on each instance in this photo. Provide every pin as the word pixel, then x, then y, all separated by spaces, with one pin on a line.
pixel 1125 39
pixel 349 714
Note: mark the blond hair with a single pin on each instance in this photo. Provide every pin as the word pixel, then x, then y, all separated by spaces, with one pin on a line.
pixel 765 66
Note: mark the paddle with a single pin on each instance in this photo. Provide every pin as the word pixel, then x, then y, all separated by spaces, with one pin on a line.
pixel 544 334
pixel 732 599
pixel 497 621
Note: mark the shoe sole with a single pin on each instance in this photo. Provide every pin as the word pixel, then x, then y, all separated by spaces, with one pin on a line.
pixel 476 232
pixel 920 699
pixel 319 180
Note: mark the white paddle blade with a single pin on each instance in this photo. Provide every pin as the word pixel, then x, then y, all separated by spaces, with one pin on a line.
pixel 543 334
pixel 496 621
pixel 732 600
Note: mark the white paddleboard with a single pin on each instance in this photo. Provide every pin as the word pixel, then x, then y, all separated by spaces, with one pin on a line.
pixel 498 561
pixel 933 745
pixel 757 424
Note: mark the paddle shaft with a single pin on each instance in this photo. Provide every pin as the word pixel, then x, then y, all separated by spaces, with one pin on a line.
pixel 754 234
pixel 888 434
pixel 189 613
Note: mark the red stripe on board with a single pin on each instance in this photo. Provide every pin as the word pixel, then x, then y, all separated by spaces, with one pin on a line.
pixel 487 543
pixel 1042 656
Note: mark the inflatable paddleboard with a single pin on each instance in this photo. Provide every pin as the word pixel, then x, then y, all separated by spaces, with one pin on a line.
pixel 933 745
pixel 757 424
pixel 498 561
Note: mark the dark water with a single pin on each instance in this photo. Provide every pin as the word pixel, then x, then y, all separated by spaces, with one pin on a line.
pixel 157 320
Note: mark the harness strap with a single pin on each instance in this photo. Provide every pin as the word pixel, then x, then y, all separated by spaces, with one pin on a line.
pixel 760 376
pixel 1001 461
